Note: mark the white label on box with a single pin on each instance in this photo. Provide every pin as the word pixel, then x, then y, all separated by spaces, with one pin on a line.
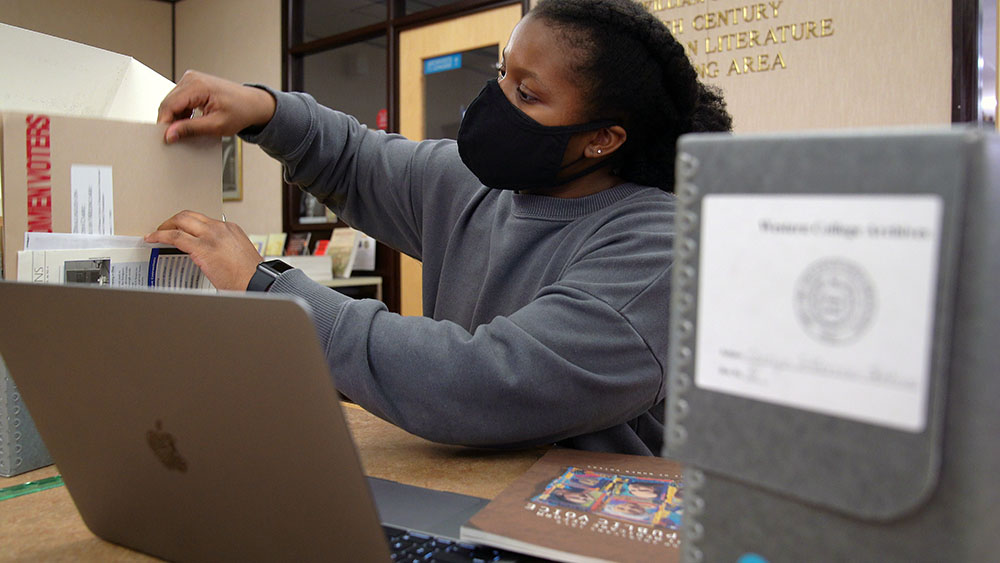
pixel 92 198
pixel 822 303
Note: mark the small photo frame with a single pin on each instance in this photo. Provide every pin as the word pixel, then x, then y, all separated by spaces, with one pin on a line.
pixel 313 212
pixel 232 168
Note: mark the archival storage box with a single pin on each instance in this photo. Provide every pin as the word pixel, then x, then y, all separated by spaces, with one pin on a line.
pixel 833 373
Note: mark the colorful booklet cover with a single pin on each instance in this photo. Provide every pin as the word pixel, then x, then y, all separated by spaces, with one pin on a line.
pixel 587 506
pixel 260 241
pixel 321 247
pixel 298 244
pixel 342 248
pixel 275 245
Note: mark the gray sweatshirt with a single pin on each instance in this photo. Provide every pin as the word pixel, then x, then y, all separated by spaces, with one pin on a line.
pixel 545 318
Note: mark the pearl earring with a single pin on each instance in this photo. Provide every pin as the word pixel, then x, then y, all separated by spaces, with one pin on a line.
pixel 599 151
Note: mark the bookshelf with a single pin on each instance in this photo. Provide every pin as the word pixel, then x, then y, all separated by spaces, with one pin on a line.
pixel 386 259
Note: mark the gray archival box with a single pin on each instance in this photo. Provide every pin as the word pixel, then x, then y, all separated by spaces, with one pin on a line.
pixel 21 449
pixel 834 337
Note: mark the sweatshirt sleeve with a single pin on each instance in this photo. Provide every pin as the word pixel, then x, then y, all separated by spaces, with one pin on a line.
pixel 373 180
pixel 571 361
pixel 565 364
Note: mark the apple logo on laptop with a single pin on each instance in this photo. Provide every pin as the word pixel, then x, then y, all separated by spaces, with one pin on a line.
pixel 165 448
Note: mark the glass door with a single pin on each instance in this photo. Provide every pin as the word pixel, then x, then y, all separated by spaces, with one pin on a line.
pixel 441 69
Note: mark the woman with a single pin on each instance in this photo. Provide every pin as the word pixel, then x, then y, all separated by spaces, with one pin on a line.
pixel 545 233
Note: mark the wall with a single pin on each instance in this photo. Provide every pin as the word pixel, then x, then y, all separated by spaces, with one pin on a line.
pixel 140 28
pixel 802 64
pixel 880 63
pixel 239 40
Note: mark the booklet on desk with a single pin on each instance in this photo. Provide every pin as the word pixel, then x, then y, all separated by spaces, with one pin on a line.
pixel 587 506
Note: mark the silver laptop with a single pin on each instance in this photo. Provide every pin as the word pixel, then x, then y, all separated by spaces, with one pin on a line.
pixel 200 427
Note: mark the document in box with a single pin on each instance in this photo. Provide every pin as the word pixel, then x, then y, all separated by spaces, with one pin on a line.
pixel 92 199
pixel 147 266
pixel 68 241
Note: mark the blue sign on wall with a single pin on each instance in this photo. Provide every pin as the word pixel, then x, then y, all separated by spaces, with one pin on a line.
pixel 441 64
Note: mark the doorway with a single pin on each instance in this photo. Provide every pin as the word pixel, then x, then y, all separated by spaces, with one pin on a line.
pixel 441 69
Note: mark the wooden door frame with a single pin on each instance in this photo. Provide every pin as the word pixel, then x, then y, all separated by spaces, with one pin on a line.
pixel 483 28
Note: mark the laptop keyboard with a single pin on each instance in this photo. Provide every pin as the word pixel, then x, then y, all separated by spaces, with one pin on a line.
pixel 412 547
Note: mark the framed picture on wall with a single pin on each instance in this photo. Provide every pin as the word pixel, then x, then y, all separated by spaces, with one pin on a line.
pixel 232 168
pixel 312 212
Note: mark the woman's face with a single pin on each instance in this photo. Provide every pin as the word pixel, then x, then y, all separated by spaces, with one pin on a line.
pixel 536 74
pixel 642 490
pixel 587 481
pixel 628 508
pixel 576 497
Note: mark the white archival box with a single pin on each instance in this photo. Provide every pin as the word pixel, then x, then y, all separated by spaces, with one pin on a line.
pixel 47 74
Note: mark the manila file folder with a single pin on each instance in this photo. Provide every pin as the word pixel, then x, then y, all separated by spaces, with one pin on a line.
pixel 834 332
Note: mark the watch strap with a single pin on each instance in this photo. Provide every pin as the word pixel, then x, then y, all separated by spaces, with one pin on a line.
pixel 267 273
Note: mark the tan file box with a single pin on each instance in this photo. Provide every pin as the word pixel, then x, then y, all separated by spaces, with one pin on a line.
pixel 150 180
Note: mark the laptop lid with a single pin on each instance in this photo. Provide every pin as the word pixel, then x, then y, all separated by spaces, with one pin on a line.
pixel 191 426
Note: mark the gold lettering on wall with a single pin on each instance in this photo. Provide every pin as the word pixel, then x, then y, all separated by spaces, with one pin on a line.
pixel 728 31
pixel 660 5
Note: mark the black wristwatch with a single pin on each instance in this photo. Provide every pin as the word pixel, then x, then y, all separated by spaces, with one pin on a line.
pixel 266 273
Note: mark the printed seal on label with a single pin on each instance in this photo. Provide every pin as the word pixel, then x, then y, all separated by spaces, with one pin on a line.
pixel 834 300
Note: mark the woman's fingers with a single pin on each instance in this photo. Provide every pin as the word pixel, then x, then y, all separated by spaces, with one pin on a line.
pixel 181 101
pixel 183 241
pixel 222 250
pixel 190 222
pixel 223 107
pixel 212 125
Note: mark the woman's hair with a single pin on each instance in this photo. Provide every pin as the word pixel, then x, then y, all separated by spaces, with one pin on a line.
pixel 633 70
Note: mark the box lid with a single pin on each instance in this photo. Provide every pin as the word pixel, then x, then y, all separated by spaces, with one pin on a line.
pixel 56 76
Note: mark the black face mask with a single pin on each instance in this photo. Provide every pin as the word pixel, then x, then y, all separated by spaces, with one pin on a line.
pixel 508 150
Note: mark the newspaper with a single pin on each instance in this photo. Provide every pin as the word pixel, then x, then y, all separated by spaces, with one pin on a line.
pixel 145 265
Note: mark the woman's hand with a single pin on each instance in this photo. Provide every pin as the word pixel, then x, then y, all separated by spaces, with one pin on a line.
pixel 222 250
pixel 226 107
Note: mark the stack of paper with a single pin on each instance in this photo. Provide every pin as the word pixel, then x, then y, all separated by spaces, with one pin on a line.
pixel 116 261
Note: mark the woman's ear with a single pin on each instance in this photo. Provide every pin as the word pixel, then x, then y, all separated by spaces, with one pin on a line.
pixel 606 141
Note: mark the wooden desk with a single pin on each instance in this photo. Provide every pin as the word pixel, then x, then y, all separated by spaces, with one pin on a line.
pixel 46 526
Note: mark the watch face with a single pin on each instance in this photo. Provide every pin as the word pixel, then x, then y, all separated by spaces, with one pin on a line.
pixel 277 266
